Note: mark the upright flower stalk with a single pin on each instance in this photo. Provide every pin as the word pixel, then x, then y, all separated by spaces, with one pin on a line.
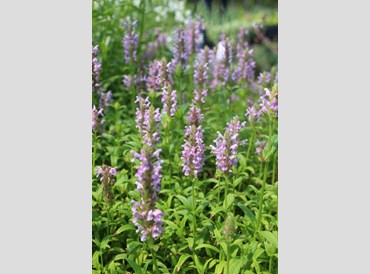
pixel 147 218
pixel 193 148
pixel 226 149
pixel 130 41
pixel 107 174
pixel 96 68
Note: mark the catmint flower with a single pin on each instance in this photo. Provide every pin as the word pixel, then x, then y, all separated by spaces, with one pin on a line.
pixel 194 39
pixel 246 65
pixel 154 46
pixel 140 78
pixel 200 74
pixel 127 81
pixel 97 118
pixel 195 116
pixel 105 99
pixel 169 100
pixel 227 145
pixel 269 102
pixel 223 61
pixel 147 218
pixel 252 114
pixel 264 78
pixel 96 68
pixel 180 54
pixel 130 41
pixel 276 78
pixel 154 71
pixel 160 74
pixel 193 151
pixel 260 146
pixel 242 38
pixel 199 95
pixel 106 174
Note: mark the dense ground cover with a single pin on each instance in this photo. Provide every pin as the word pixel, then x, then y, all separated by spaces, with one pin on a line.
pixel 184 165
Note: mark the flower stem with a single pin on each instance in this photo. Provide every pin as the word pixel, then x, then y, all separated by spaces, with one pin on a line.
pixel 226 190
pixel 194 216
pixel 154 256
pixel 262 190
pixel 228 258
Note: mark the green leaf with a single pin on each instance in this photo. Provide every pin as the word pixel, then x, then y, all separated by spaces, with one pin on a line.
pixel 132 245
pixel 182 259
pixel 236 265
pixel 270 237
pixel 124 228
pixel 184 200
pixel 134 265
pixel 208 246
pixel 247 212
pixel 230 200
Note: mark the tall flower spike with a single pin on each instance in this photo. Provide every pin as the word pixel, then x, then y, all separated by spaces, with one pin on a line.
pixel 130 41
pixel 105 99
pixel 193 151
pixel 97 118
pixel 169 100
pixel 147 218
pixel 195 116
pixel 224 57
pixel 180 54
pixel 194 37
pixel 96 68
pixel 227 146
pixel 269 102
pixel 106 174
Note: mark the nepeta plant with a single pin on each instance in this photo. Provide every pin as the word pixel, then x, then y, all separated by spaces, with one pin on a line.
pixel 97 118
pixel 147 218
pixel 130 41
pixel 227 144
pixel 96 68
pixel 169 100
pixel 107 174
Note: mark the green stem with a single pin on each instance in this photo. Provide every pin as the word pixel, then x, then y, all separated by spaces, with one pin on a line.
pixel 194 216
pixel 251 142
pixel 94 154
pixel 226 190
pixel 228 258
pixel 274 169
pixel 154 256
pixel 262 191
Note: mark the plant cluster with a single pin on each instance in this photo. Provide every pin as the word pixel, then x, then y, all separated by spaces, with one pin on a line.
pixel 184 165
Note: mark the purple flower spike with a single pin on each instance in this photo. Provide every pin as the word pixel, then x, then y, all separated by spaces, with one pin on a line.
pixel 193 151
pixel 169 101
pixel 180 53
pixel 106 174
pixel 97 118
pixel 130 41
pixel 226 147
pixel 96 68
pixel 195 116
pixel 269 102
pixel 147 218
pixel 223 61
